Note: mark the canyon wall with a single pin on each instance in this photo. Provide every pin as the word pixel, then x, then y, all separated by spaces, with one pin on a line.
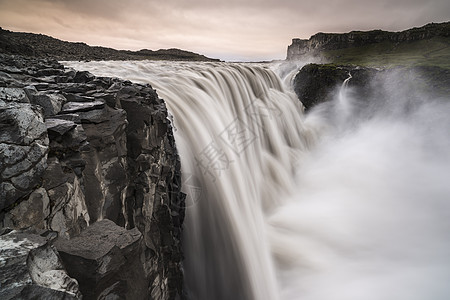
pixel 90 180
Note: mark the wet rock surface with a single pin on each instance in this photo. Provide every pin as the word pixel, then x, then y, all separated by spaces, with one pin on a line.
pixel 315 84
pixel 80 155
pixel 318 83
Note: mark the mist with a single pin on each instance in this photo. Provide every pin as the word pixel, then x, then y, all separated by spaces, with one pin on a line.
pixel 370 217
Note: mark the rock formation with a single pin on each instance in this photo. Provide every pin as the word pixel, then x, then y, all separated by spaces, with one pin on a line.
pixel 315 83
pixel 92 161
pixel 332 41
pixel 318 83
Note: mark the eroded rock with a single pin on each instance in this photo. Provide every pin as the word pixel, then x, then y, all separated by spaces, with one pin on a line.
pixel 31 267
pixel 105 151
pixel 106 260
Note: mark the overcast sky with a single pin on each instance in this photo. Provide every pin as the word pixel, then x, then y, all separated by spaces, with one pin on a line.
pixel 226 29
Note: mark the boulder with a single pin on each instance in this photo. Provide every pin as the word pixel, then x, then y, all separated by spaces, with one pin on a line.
pixel 106 261
pixel 14 95
pixel 29 213
pixel 30 268
pixel 50 102
pixel 315 83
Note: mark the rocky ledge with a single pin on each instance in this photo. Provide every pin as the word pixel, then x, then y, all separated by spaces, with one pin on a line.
pixel 318 83
pixel 90 195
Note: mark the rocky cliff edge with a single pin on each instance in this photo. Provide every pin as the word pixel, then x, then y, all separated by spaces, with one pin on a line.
pixel 90 195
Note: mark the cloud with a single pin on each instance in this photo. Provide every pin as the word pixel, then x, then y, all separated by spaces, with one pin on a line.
pixel 255 29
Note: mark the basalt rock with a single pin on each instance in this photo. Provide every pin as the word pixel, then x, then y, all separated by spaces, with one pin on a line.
pixel 78 149
pixel 318 83
pixel 315 84
pixel 31 268
pixel 106 260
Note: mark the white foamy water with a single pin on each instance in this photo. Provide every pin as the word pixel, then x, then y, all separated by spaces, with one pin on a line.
pixel 349 202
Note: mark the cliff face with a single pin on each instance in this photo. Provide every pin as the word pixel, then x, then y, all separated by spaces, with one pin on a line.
pixel 77 151
pixel 332 41
pixel 318 83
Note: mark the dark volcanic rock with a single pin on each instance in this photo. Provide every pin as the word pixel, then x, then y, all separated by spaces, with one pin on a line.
pixel 59 126
pixel 30 268
pixel 14 95
pixel 72 107
pixel 315 83
pixel 23 148
pixel 75 149
pixel 150 201
pixel 106 260
pixel 50 102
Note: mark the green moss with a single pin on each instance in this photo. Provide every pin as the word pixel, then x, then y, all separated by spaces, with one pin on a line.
pixel 430 52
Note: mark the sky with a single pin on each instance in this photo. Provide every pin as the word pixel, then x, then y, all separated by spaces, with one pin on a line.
pixel 232 30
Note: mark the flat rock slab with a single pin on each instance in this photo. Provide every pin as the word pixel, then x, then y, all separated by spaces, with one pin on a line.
pixel 105 259
pixel 71 107
pixel 59 126
pixel 98 240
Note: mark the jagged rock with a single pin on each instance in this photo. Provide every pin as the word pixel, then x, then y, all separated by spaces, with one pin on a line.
pixel 106 164
pixel 318 83
pixel 148 205
pixel 21 123
pixel 106 261
pixel 69 214
pixel 91 162
pixel 14 95
pixel 71 97
pixel 83 77
pixel 59 126
pixel 50 102
pixel 29 213
pixel 31 269
pixel 23 149
pixel 315 84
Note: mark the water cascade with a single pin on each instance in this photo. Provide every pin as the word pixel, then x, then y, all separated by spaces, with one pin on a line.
pixel 286 206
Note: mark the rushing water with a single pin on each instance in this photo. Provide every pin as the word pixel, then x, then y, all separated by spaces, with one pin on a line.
pixel 351 201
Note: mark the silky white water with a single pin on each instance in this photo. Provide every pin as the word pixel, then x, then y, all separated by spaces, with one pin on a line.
pixel 351 201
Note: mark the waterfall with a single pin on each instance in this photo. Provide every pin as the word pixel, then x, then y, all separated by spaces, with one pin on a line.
pixel 286 206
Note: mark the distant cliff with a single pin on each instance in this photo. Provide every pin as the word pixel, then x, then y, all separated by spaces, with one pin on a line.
pixel 321 42
pixel 43 46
